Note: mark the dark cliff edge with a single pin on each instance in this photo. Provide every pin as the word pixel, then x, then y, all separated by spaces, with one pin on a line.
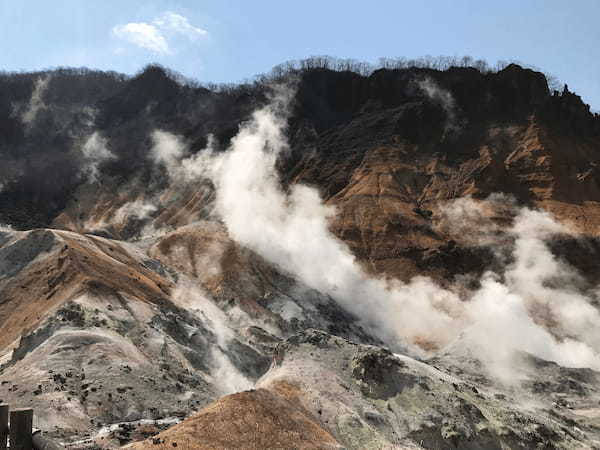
pixel 335 114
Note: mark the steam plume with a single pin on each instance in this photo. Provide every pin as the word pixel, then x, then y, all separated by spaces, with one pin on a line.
pixel 290 229
pixel 444 98
pixel 227 377
pixel 36 102
pixel 95 152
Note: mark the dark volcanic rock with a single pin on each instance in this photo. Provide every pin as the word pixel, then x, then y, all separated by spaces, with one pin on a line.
pixel 17 256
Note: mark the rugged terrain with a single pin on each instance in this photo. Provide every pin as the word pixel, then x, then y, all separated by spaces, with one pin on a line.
pixel 318 259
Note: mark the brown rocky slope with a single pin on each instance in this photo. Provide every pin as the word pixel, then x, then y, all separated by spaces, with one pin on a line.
pixel 125 303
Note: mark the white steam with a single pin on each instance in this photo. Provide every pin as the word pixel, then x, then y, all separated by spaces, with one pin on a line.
pixel 290 229
pixel 4 228
pixel 36 102
pixel 137 209
pixel 170 151
pixel 95 152
pixel 167 149
pixel 227 377
pixel 535 307
pixel 444 98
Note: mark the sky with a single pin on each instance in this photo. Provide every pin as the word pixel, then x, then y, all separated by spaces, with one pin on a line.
pixel 232 40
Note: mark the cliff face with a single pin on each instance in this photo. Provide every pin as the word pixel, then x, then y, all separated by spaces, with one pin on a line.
pixel 386 150
pixel 127 293
pixel 389 150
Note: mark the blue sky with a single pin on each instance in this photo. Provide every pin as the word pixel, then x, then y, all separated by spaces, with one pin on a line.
pixel 229 40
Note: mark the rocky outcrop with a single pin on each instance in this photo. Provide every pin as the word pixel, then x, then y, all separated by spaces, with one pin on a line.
pixel 252 419
pixel 109 332
pixel 138 309
pixel 368 397
pixel 394 156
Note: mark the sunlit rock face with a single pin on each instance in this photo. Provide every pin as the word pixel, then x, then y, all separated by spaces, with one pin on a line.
pixel 400 260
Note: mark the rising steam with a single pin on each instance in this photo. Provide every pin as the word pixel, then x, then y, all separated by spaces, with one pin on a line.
pixel 226 376
pixel 36 102
pixel 95 152
pixel 444 98
pixel 290 229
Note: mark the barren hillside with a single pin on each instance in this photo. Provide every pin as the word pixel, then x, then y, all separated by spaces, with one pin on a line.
pixel 318 259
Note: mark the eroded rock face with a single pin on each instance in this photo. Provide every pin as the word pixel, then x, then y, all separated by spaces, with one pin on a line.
pixel 382 149
pixel 376 370
pixel 368 397
pixel 108 332
pixel 138 305
pixel 14 257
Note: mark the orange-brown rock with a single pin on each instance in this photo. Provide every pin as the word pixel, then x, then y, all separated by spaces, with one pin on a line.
pixel 252 419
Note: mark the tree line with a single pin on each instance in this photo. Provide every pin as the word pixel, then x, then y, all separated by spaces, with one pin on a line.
pixel 294 67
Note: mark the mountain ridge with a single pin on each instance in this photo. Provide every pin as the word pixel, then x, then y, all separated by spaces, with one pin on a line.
pixel 414 248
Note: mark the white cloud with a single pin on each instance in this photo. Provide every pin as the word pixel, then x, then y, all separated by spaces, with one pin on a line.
pixel 154 36
pixel 143 35
pixel 179 24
